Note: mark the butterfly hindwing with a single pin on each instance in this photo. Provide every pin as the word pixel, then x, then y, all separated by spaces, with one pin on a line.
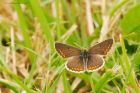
pixel 75 64
pixel 66 50
pixel 94 63
pixel 101 48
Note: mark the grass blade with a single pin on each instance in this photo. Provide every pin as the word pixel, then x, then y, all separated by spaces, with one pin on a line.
pixel 66 84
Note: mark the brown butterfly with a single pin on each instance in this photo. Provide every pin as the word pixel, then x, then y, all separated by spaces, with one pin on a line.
pixel 84 60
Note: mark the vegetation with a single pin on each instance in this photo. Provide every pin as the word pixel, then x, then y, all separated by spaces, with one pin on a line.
pixel 29 29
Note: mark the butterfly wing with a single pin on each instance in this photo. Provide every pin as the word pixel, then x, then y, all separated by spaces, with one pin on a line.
pixel 75 64
pixel 66 50
pixel 94 63
pixel 101 48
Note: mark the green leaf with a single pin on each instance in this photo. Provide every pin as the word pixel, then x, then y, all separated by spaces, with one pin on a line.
pixel 11 85
pixel 52 87
pixel 131 21
pixel 17 79
pixel 66 84
pixel 103 81
pixel 37 9
pixel 24 29
pixel 136 59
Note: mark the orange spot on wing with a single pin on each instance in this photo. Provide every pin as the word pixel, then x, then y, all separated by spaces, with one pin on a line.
pixel 76 69
pixel 92 67
pixel 106 50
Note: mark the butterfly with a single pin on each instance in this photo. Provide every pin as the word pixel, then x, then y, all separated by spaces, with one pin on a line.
pixel 84 60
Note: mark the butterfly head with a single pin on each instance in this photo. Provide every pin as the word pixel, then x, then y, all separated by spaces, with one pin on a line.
pixel 84 54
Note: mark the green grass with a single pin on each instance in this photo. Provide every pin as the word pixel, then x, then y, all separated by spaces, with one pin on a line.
pixel 38 25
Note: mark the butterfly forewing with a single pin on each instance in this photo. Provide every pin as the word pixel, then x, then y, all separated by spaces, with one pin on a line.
pixel 101 48
pixel 94 63
pixel 66 50
pixel 75 64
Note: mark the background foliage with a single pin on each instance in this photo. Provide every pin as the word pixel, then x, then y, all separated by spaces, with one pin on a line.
pixel 29 28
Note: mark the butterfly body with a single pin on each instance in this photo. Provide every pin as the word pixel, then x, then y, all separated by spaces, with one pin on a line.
pixel 84 54
pixel 86 60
